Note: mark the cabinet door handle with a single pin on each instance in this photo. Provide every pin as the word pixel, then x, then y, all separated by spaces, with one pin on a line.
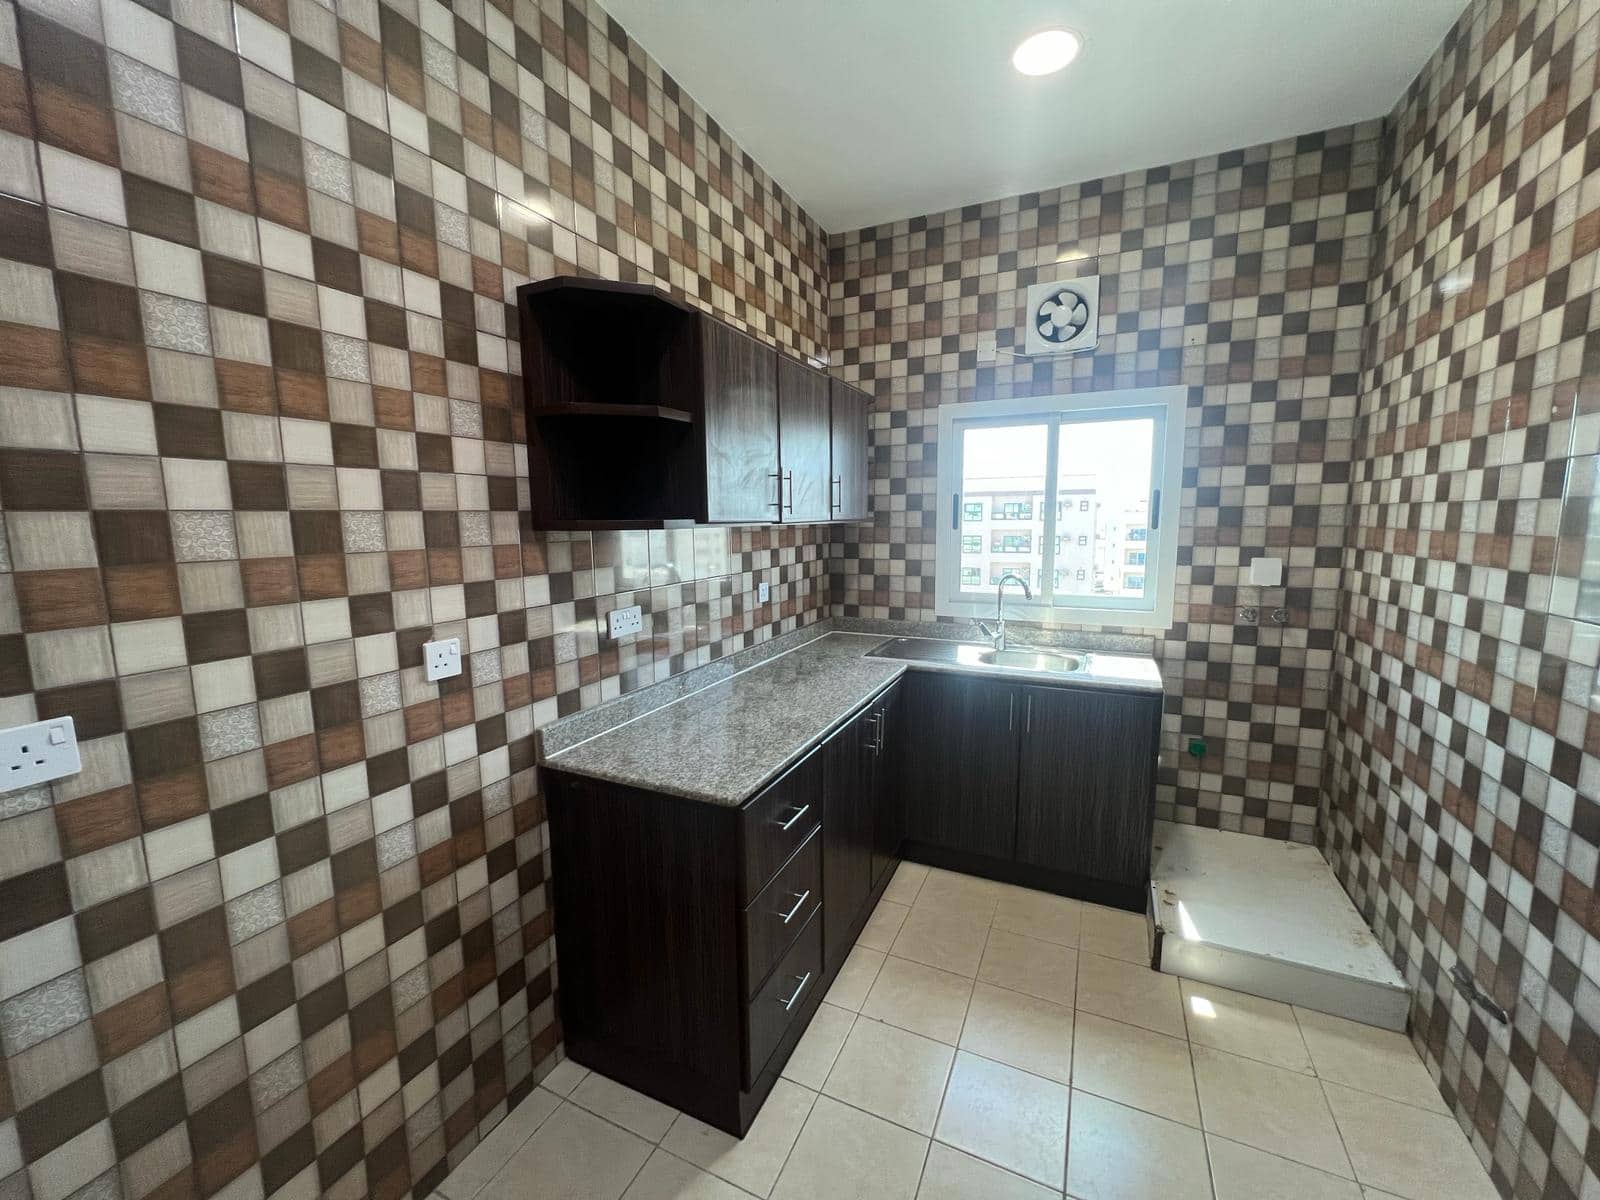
pixel 836 487
pixel 1027 716
pixel 1011 711
pixel 778 503
pixel 799 902
pixel 789 479
pixel 876 721
pixel 790 823
pixel 800 987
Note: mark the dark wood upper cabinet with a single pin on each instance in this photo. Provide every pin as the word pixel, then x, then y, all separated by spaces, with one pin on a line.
pixel 848 429
pixel 741 426
pixel 960 770
pixel 1087 772
pixel 803 441
pixel 643 411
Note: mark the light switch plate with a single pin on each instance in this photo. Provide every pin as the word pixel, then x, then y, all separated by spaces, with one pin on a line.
pixel 36 753
pixel 763 592
pixel 442 658
pixel 622 622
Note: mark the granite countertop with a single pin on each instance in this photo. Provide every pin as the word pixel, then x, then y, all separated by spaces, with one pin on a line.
pixel 721 744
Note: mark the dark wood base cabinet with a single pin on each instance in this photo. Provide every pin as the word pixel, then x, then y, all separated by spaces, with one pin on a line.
pixel 1047 787
pixel 695 940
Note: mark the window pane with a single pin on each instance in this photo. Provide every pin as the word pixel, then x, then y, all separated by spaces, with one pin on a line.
pixel 1102 508
pixel 1002 504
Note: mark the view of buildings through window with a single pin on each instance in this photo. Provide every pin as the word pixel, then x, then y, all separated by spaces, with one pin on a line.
pixel 1102 507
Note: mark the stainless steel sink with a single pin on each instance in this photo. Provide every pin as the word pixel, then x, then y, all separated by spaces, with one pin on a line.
pixel 978 657
pixel 1033 660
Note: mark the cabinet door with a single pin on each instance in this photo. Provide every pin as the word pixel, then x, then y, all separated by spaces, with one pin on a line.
pixel 1086 795
pixel 959 785
pixel 848 429
pixel 887 825
pixel 846 836
pixel 803 440
pixel 741 425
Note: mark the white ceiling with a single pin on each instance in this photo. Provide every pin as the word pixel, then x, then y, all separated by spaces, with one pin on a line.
pixel 871 110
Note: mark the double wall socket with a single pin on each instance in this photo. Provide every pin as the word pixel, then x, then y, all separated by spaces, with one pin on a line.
pixel 624 622
pixel 37 753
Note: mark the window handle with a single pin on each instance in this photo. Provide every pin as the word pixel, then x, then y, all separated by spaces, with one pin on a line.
pixel 1155 510
pixel 955 510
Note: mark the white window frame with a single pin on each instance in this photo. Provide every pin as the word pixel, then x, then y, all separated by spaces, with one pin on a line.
pixel 1163 405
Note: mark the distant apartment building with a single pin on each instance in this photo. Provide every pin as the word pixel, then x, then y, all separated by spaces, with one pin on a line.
pixel 1097 551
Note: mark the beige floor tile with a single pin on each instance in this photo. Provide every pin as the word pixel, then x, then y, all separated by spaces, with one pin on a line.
pixel 634 1111
pixel 667 1178
pixel 1120 1153
pixel 920 998
pixel 882 925
pixel 754 1161
pixel 952 1175
pixel 1129 992
pixel 573 1156
pixel 1405 1150
pixel 504 1140
pixel 566 1076
pixel 1012 1119
pixel 940 940
pixel 1039 914
pixel 1021 1030
pixel 1369 1059
pixel 1133 1066
pixel 814 1054
pixel 900 1076
pixel 958 895
pixel 850 1155
pixel 1249 1025
pixel 1115 933
pixel 1281 1112
pixel 854 981
pixel 1026 964
pixel 907 882
pixel 1242 1173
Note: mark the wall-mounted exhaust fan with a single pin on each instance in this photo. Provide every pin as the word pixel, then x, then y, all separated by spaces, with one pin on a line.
pixel 1064 316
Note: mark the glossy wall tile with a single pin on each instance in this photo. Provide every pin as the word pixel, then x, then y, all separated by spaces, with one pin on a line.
pixel 1241 277
pixel 1464 732
pixel 260 438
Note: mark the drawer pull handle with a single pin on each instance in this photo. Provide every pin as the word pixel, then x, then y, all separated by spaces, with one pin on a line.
pixel 790 823
pixel 799 901
pixel 800 987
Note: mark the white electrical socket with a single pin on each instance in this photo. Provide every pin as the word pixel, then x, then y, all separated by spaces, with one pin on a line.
pixel 620 622
pixel 31 754
pixel 763 592
pixel 442 658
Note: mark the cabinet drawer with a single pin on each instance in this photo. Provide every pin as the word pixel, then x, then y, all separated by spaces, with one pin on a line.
pixel 781 911
pixel 775 823
pixel 782 999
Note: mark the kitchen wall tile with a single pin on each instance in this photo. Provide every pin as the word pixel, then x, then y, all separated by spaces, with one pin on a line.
pixel 1240 276
pixel 1463 760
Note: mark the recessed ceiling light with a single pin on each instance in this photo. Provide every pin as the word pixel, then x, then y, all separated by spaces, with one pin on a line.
pixel 1046 52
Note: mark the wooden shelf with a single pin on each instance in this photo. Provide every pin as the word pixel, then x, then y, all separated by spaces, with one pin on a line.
pixel 653 412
